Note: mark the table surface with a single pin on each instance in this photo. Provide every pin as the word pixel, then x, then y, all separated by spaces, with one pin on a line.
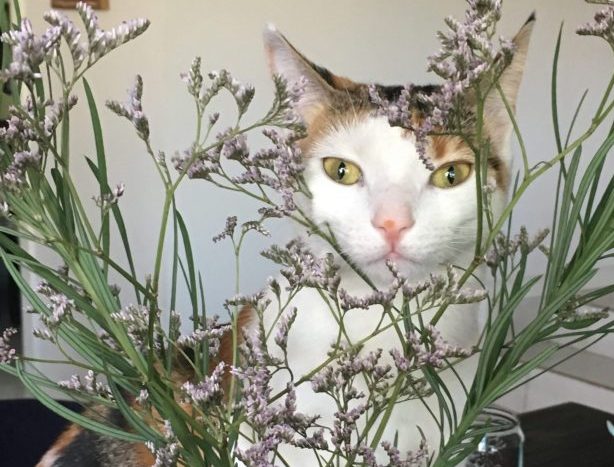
pixel 568 435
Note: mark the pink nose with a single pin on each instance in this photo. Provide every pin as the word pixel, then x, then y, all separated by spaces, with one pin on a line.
pixel 393 227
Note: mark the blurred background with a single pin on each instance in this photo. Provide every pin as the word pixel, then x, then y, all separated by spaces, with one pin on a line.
pixel 366 40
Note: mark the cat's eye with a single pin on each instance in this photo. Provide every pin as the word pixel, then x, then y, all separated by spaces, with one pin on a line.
pixel 342 171
pixel 451 175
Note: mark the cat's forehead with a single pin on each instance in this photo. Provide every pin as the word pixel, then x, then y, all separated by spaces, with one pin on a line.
pixel 365 137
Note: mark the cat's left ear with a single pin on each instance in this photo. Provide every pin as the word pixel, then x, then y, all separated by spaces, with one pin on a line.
pixel 322 86
pixel 496 117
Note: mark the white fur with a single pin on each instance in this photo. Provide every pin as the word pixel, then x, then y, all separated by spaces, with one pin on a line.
pixel 49 458
pixel 443 233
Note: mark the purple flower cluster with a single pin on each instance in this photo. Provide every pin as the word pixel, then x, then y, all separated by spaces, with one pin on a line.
pixel 89 385
pixel 572 313
pixel 279 167
pixel 135 319
pixel 101 42
pixel 32 125
pixel 133 109
pixel 468 49
pixel 209 332
pixel 14 177
pixel 70 33
pixel 418 458
pixel 438 288
pixel 198 163
pixel 340 382
pixel 287 96
pixel 412 459
pixel 285 161
pixel 504 248
pixel 427 349
pixel 26 126
pixel 7 352
pixel 28 133
pixel 29 51
pixel 468 53
pixel 60 308
pixel 231 225
pixel 339 378
pixel 273 424
pixel 377 297
pixel 108 200
pixel 257 301
pixel 446 288
pixel 302 268
pixel 256 226
pixel 166 453
pixel 383 297
pixel 223 79
pixel 229 229
pixel 283 328
pixel 602 26
pixel 194 78
pixel 207 392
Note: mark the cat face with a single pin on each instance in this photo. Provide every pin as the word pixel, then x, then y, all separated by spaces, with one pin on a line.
pixel 393 210
pixel 369 186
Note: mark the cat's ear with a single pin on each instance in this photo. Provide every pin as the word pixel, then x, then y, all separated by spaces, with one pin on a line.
pixel 321 84
pixel 496 117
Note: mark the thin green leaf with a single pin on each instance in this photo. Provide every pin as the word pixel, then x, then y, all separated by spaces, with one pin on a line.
pixel 553 91
pixel 72 416
pixel 17 11
pixel 575 116
pixel 123 233
pixel 102 178
pixel 189 257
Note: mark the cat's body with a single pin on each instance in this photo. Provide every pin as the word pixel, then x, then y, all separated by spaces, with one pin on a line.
pixel 307 351
pixel 392 213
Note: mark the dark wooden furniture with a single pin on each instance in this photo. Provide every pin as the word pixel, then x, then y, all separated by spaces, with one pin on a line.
pixel 568 435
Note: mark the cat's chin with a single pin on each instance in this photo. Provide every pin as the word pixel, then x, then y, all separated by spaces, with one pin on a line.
pixel 379 270
pixel 399 259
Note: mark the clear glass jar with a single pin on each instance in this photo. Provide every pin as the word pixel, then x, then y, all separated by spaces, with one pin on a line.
pixel 503 445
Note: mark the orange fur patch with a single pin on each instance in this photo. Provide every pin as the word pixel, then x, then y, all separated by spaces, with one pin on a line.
pixel 144 456
pixel 326 120
pixel 67 437
pixel 444 148
pixel 55 451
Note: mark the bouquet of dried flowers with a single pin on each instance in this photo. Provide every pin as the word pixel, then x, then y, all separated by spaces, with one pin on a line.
pixel 132 353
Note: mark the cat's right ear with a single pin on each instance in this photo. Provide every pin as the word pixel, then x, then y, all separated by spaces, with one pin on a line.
pixel 285 60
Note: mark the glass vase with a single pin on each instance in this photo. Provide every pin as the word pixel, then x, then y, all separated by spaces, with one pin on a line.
pixel 502 445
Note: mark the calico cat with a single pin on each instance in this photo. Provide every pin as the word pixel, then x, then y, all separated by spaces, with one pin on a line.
pixel 378 198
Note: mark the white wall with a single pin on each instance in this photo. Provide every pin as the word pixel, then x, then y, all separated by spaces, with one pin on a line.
pixel 367 40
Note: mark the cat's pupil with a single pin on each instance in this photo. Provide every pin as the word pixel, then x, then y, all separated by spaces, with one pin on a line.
pixel 451 175
pixel 341 170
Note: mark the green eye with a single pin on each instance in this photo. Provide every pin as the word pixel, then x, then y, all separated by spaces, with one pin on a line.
pixel 451 175
pixel 342 171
